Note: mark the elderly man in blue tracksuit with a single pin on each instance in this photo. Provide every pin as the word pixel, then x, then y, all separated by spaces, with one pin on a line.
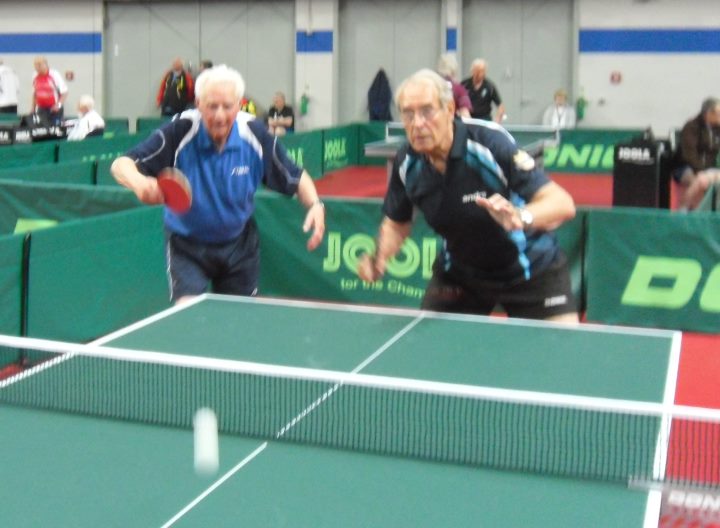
pixel 226 155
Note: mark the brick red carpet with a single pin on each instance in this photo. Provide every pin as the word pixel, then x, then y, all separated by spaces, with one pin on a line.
pixel 370 182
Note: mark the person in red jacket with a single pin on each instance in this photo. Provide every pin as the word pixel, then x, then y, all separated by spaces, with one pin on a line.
pixel 177 90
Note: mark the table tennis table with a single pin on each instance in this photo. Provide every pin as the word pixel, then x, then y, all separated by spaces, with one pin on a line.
pixel 531 138
pixel 62 469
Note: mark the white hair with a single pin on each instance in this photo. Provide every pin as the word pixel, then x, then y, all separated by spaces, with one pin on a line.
pixel 216 75
pixel 430 78
pixel 86 102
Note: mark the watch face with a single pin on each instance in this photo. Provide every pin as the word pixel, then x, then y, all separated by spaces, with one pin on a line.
pixel 526 217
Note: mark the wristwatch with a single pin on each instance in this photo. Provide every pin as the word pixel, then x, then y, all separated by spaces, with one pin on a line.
pixel 526 217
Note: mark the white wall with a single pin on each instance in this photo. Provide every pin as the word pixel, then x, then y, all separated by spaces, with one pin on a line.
pixel 661 90
pixel 400 37
pixel 52 17
pixel 316 71
pixel 255 37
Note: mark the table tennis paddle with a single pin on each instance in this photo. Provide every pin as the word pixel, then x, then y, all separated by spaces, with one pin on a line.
pixel 176 190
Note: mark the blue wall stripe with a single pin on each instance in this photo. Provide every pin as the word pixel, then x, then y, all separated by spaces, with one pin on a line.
pixel 315 42
pixel 50 42
pixel 649 41
pixel 451 39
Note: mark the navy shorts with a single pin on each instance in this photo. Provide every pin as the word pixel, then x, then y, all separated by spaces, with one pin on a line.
pixel 545 295
pixel 231 268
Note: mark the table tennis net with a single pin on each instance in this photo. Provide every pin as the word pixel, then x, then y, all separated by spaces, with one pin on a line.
pixel 582 437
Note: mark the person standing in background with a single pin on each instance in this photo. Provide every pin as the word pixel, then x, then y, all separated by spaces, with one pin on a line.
pixel 177 90
pixel 483 93
pixel 448 68
pixel 49 92
pixel 9 90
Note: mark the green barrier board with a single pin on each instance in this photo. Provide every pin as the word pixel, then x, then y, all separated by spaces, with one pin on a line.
pixel 586 150
pixel 306 150
pixel 367 133
pixel 82 172
pixel 649 267
pixel 329 273
pixel 147 124
pixel 91 276
pixel 24 155
pixel 11 255
pixel 58 202
pixel 92 149
pixel 340 148
pixel 103 175
pixel 115 126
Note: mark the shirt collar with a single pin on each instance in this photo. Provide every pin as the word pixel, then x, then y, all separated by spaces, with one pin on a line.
pixel 233 141
pixel 460 135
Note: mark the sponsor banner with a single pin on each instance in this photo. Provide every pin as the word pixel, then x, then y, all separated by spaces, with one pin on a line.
pixel 586 150
pixel 698 508
pixel 654 268
pixel 340 147
pixel 306 150
pixel 329 273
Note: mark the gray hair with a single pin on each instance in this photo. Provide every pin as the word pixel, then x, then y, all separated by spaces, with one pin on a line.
pixel 709 104
pixel 216 75
pixel 429 78
pixel 447 65
pixel 478 63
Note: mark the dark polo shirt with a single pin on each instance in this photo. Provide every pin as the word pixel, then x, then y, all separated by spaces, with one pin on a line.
pixel 484 160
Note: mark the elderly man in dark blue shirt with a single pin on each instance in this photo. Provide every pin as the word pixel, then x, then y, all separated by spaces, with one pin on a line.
pixel 491 205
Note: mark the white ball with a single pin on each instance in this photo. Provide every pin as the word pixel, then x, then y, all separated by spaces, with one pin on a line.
pixel 207 449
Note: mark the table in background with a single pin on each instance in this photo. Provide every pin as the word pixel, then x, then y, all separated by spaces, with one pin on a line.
pixel 531 138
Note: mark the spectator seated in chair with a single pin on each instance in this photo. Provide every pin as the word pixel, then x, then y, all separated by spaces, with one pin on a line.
pixel 697 168
pixel 89 122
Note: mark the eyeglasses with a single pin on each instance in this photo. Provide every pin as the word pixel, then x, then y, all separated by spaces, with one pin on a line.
pixel 427 113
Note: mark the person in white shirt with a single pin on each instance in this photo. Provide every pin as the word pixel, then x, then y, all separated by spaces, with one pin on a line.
pixel 9 88
pixel 560 114
pixel 89 121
